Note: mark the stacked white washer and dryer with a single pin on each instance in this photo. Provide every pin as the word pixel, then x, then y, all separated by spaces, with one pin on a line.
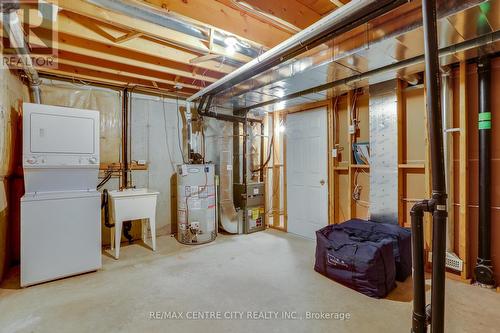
pixel 60 211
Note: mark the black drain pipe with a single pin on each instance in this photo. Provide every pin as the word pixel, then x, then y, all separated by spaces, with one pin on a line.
pixel 437 204
pixel 484 269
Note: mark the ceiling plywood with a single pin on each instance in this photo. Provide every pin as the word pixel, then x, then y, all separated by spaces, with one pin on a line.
pixel 291 11
pixel 321 7
pixel 218 15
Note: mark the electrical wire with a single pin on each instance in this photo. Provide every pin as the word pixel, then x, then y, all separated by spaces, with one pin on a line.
pixel 271 145
pixel 357 190
pixel 178 129
pixel 172 162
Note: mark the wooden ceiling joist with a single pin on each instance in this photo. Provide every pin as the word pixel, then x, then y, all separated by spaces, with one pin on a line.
pixel 117 54
pixel 187 42
pixel 221 16
pixel 85 73
pixel 204 58
pixel 85 61
pixel 290 11
pixel 94 26
pixel 76 25
pixel 129 36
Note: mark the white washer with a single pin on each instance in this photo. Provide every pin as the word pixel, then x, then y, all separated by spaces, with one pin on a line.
pixel 60 212
pixel 61 235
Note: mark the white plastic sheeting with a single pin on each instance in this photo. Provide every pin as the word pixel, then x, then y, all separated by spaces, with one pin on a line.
pixel 154 137
pixel 12 93
pixel 106 101
pixel 156 130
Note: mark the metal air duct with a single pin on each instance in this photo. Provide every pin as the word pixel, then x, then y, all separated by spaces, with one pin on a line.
pixel 339 21
pixel 12 26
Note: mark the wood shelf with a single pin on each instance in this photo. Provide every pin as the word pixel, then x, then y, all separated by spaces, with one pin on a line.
pixel 341 168
pixel 117 166
pixel 412 166
pixel 360 166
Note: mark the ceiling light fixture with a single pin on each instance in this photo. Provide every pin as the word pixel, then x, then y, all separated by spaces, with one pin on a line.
pixel 230 50
pixel 231 41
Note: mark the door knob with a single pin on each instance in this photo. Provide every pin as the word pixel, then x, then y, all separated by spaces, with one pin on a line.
pixel 322 182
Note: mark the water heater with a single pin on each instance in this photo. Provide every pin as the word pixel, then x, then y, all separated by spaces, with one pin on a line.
pixel 196 203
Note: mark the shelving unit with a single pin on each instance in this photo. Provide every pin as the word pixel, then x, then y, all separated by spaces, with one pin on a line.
pixel 414 175
pixel 346 173
pixel 413 159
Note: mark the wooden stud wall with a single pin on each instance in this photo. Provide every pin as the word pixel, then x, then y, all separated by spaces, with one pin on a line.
pixel 414 171
pixel 463 251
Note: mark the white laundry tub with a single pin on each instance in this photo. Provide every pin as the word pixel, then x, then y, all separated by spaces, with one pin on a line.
pixel 132 204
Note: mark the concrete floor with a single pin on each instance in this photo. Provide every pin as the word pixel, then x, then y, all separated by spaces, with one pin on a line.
pixel 267 271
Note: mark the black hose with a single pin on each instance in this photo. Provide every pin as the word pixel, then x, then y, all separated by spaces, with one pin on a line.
pixel 268 157
pixel 127 226
pixel 107 177
pixel 105 206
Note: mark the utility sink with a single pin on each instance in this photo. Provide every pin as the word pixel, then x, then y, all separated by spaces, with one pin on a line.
pixel 133 204
pixel 129 205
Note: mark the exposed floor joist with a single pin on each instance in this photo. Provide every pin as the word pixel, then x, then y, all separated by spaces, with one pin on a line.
pixel 290 11
pixel 73 24
pixel 117 54
pixel 116 79
pixel 218 15
pixel 148 29
pixel 74 59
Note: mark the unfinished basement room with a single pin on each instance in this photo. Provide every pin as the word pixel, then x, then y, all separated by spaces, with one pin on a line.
pixel 250 166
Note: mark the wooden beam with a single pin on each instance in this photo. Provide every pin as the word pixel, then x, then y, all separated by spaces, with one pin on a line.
pixel 276 172
pixel 290 11
pixel 129 36
pixel 148 29
pixel 53 74
pixel 211 34
pixel 401 112
pixel 204 58
pixel 119 69
pixel 215 14
pixel 116 54
pixel 351 208
pixel 463 220
pixel 337 3
pixel 285 184
pixel 86 73
pixel 81 27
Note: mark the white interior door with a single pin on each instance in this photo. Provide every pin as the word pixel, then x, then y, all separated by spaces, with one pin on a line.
pixel 307 171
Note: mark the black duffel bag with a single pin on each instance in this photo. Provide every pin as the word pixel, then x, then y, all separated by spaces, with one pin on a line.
pixel 355 261
pixel 400 237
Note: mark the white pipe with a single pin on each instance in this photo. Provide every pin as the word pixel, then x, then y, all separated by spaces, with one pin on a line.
pixel 281 49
